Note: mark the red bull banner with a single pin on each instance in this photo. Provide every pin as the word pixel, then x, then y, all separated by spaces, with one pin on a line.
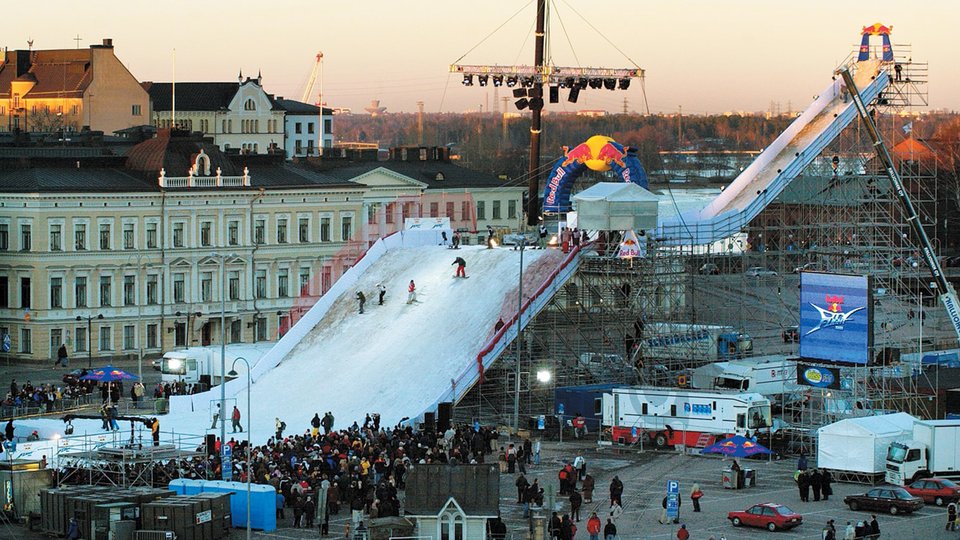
pixel 876 29
pixel 598 153
pixel 630 246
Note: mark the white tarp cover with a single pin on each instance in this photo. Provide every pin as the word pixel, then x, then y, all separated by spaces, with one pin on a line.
pixel 616 206
pixel 860 444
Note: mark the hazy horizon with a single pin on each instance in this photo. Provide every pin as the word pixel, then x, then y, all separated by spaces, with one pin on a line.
pixel 708 57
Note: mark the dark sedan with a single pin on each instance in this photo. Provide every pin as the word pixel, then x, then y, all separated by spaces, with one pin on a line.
pixel 892 499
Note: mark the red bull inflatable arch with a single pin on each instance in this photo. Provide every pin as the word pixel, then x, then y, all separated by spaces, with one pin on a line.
pixel 598 153
pixel 876 29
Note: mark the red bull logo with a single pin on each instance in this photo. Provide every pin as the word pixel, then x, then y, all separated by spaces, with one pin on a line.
pixel 580 153
pixel 609 153
pixel 834 302
pixel 877 29
pixel 554 184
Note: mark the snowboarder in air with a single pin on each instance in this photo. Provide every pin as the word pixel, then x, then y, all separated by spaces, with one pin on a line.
pixel 382 291
pixel 411 292
pixel 361 299
pixel 461 267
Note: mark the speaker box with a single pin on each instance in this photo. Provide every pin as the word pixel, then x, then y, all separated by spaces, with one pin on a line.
pixel 429 421
pixel 444 415
pixel 211 443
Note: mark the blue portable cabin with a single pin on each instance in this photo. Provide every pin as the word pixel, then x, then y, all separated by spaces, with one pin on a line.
pixel 585 399
pixel 263 500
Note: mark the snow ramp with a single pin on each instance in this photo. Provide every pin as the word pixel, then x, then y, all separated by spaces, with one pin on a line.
pixel 781 162
pixel 397 359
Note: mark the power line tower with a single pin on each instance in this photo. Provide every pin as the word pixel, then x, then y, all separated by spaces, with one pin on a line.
pixel 529 94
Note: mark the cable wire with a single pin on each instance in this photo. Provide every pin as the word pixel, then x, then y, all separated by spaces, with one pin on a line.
pixel 495 30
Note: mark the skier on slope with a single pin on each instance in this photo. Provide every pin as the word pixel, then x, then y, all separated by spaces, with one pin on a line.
pixel 383 292
pixel 461 267
pixel 411 292
pixel 361 299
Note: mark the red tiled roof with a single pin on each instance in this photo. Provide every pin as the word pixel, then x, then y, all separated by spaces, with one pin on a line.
pixel 58 72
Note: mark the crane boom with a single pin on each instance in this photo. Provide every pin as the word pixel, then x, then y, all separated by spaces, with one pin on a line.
pixel 312 81
pixel 948 296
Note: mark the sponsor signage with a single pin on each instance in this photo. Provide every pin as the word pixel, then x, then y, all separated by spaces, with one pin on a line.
pixel 424 224
pixel 836 317
pixel 818 376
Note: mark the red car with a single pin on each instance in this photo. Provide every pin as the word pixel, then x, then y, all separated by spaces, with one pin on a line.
pixel 938 491
pixel 767 515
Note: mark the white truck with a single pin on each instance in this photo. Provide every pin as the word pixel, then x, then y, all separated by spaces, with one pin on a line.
pixel 696 342
pixel 933 450
pixel 202 364
pixel 670 416
pixel 773 375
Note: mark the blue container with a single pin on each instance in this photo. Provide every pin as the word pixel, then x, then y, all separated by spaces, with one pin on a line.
pixel 263 500
pixel 584 400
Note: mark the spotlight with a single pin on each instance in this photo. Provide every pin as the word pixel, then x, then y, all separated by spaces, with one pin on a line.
pixel 527 81
pixel 512 81
pixel 610 84
pixel 498 80
pixel 569 82
pixel 519 92
pixel 574 94
pixel 583 83
pixel 596 83
pixel 522 104
pixel 554 94
pixel 482 79
pixel 624 83
pixel 468 80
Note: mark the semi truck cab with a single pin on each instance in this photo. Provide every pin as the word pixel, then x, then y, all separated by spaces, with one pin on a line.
pixel 906 460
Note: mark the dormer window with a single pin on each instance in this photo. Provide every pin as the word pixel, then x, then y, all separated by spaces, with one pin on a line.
pixel 250 105
pixel 439 176
pixel 201 165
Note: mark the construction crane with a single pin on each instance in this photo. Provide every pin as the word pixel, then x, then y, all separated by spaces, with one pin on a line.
pixel 316 73
pixel 948 296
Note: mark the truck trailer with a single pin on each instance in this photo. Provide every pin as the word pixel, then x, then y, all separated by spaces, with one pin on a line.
pixel 933 450
pixel 669 417
pixel 202 364
pixel 773 375
pixel 697 343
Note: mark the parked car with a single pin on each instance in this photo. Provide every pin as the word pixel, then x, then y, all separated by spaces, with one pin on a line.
pixel 938 491
pixel 767 515
pixel 73 377
pixel 892 499
pixel 791 334
pixel 805 268
pixel 757 271
pixel 709 269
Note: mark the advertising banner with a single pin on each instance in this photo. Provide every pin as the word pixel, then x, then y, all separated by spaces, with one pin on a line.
pixel 836 317
pixel 421 224
pixel 818 376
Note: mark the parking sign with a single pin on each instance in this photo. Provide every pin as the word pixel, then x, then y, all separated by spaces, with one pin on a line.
pixel 673 499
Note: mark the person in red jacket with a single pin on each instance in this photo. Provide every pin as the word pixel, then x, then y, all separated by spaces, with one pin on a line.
pixel 593 526
pixel 682 533
pixel 412 292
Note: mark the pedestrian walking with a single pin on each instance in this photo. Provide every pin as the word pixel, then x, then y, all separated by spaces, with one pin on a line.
pixel 609 530
pixel 576 500
pixel 695 495
pixel 683 533
pixel 829 531
pixel 216 417
pixel 411 292
pixel 616 491
pixel 235 418
pixel 850 533
pixel 826 490
pixel 361 300
pixel 593 526
pixel 951 517
pixel 381 291
pixel 816 484
pixel 522 485
pixel 588 486
pixel 873 528
pixel 803 483
pixel 62 359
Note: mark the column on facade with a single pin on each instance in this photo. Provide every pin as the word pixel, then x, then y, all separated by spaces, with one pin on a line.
pixel 382 220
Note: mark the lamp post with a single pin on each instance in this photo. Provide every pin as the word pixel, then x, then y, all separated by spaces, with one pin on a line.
pixel 516 397
pixel 136 298
pixel 233 373
pixel 90 337
pixel 223 345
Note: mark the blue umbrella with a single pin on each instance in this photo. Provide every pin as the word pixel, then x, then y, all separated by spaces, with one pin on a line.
pixel 736 446
pixel 108 374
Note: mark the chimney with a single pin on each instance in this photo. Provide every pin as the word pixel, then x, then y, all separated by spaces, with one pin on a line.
pixel 108 42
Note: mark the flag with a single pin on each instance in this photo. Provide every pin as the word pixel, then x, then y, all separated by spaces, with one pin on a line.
pixel 907 128
pixel 629 246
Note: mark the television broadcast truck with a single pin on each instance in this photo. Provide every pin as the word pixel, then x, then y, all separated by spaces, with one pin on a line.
pixel 933 450
pixel 673 416
pixel 202 364
pixel 698 342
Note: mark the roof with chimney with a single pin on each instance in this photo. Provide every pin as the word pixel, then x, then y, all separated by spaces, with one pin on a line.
pixel 200 96
pixel 62 73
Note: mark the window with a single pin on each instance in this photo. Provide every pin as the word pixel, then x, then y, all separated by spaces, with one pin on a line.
pixel 128 236
pixel 346 228
pixel 106 339
pixel 298 147
pixel 80 339
pixel 259 231
pixel 4 292
pixel 25 292
pixel 260 284
pixel 56 240
pixel 206 287
pixel 56 339
pixel 105 290
pixel 56 293
pixel 4 237
pixel 281 231
pixel 283 283
pixel 260 329
pixel 178 288
pixel 481 210
pixel 205 233
pixel 511 209
pixel 234 285
pixel 450 212
pixel 25 338
pixel 104 236
pixel 327 127
pixel 129 290
pixel 25 237
pixel 180 334
pixel 310 127
pixel 324 229
pixel 151 235
pixel 235 331
pixel 298 127
pixel 152 282
pixel 310 147
pixel 434 209
pixel 135 110
pixel 80 237
pixel 496 209
pixel 129 341
pixel 178 235
pixel 152 335
pixel 250 105
pixel 465 210
pixel 233 233
pixel 80 291
pixel 304 281
pixel 304 230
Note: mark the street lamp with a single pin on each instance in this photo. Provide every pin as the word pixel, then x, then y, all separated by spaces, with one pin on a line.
pixel 136 298
pixel 223 345
pixel 233 373
pixel 90 337
pixel 516 397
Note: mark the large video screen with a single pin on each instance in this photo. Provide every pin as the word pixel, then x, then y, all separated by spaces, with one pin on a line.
pixel 836 317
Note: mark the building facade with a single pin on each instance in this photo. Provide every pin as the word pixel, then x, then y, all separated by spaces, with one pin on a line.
pixel 306 133
pixel 64 89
